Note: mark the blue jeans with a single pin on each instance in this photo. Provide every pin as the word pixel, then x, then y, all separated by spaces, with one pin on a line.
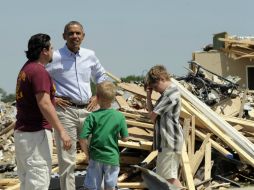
pixel 95 173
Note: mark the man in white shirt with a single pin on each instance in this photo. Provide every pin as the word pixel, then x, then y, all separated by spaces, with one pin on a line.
pixel 72 69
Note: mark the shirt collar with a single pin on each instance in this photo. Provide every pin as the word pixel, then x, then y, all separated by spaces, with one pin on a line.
pixel 70 53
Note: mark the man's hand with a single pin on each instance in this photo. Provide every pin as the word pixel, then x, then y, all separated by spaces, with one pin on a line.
pixel 62 102
pixel 66 140
pixel 93 104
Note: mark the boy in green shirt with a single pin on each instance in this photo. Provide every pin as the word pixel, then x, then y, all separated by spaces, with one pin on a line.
pixel 105 126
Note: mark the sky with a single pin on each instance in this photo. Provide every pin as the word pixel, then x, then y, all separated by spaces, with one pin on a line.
pixel 128 36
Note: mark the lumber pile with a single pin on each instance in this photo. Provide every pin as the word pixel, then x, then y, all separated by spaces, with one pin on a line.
pixel 218 151
pixel 205 132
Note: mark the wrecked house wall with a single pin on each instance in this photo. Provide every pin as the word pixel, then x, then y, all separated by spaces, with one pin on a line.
pixel 221 64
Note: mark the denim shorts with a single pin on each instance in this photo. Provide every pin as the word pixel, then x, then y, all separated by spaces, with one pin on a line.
pixel 96 171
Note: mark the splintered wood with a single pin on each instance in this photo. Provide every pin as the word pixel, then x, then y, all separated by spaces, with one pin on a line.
pixel 239 48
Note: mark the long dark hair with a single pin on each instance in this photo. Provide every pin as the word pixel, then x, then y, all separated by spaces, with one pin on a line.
pixel 36 44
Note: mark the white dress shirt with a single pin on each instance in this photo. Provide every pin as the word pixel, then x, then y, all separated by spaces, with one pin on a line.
pixel 72 73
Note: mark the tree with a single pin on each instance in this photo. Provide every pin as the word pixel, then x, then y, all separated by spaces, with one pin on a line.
pixel 132 78
pixel 2 93
pixel 6 98
pixel 9 98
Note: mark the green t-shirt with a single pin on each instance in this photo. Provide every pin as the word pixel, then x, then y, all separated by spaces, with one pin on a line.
pixel 105 126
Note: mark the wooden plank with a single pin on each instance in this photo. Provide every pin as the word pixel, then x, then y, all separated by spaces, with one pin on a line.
pixel 136 145
pixel 242 103
pixel 248 125
pixel 193 124
pixel 139 124
pixel 135 116
pixel 9 181
pixel 238 127
pixel 14 187
pixel 245 42
pixel 7 129
pixel 137 132
pixel 198 156
pixel 186 129
pixel 139 185
pixel 228 107
pixel 189 148
pixel 208 165
pixel 150 157
pixel 122 102
pixel 215 145
pixel 187 169
pixel 113 77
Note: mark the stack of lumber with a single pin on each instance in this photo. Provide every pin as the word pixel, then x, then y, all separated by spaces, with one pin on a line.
pixel 239 48
pixel 199 123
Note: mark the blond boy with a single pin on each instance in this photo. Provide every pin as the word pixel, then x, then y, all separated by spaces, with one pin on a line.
pixel 105 126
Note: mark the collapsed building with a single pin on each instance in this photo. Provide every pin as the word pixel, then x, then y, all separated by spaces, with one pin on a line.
pixel 218 132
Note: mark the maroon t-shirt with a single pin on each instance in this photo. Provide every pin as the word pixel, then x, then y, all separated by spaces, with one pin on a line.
pixel 32 79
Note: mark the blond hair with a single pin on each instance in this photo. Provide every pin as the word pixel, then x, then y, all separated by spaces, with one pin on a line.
pixel 106 91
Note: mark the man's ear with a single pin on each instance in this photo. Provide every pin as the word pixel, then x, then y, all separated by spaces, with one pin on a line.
pixel 64 36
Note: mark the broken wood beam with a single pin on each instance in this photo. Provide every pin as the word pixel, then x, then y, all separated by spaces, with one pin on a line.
pixel 139 185
pixel 248 125
pixel 199 154
pixel 187 169
pixel 122 102
pixel 139 124
pixel 150 157
pixel 136 145
pixel 242 103
pixel 7 129
pixel 113 77
pixel 215 145
pixel 208 163
pixel 9 181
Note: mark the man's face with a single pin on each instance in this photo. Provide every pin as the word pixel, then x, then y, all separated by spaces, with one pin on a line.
pixel 50 53
pixel 74 37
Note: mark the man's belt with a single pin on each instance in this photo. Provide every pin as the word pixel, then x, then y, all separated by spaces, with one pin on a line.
pixel 81 106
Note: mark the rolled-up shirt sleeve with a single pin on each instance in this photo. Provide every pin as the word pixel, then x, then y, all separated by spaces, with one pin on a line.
pixel 98 72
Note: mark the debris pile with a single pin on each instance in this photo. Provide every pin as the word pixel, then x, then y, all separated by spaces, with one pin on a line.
pixel 218 150
pixel 239 47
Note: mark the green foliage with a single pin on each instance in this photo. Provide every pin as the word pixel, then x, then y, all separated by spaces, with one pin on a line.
pixel 2 92
pixel 6 98
pixel 132 78
pixel 9 98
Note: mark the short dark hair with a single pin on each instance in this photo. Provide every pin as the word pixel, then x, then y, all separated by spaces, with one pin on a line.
pixel 72 23
pixel 36 44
